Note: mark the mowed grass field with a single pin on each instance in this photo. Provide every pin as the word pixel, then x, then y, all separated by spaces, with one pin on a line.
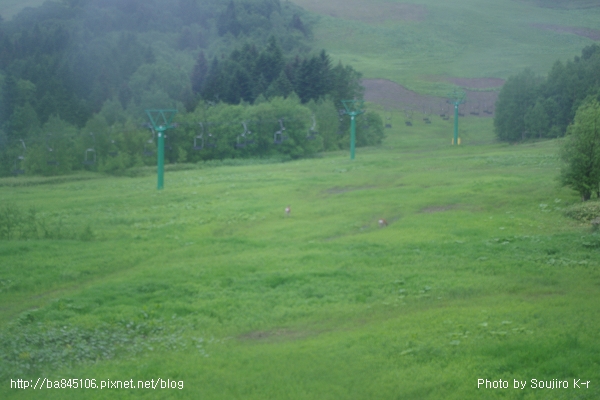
pixel 478 276
pixel 421 43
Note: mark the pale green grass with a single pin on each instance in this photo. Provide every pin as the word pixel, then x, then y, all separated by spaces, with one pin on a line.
pixel 459 38
pixel 478 275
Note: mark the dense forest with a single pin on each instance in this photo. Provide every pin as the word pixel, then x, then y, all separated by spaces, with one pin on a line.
pixel 77 75
pixel 530 106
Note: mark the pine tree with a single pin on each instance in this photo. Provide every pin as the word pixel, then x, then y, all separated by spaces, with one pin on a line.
pixel 280 87
pixel 199 73
pixel 275 59
pixel 228 22
pixel 213 86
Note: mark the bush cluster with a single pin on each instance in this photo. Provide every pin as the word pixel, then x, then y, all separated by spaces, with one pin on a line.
pixel 19 224
pixel 584 212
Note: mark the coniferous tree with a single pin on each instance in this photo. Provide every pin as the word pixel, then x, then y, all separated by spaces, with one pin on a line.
pixel 517 96
pixel 199 73
pixel 213 86
pixel 280 87
pixel 537 122
pixel 8 101
pixel 228 21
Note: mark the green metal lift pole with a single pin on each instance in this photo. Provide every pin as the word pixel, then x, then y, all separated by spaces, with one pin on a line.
pixel 455 124
pixel 352 111
pixel 161 121
pixel 457 99
pixel 352 134
pixel 161 159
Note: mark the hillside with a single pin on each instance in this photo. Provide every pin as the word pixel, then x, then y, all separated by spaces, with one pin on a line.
pixel 424 45
pixel 262 270
pixel 478 275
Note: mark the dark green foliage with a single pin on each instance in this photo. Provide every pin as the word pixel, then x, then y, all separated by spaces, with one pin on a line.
pixel 532 107
pixel 248 73
pixel 19 224
pixel 78 75
pixel 581 152
pixel 29 347
pixel 369 130
pixel 199 73
pixel 517 96
pixel 280 87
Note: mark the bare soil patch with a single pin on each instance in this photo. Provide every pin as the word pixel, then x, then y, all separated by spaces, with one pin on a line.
pixel 365 11
pixel 593 34
pixel 437 209
pixel 480 103
pixel 275 335
pixel 346 189
pixel 477 83
pixel 564 4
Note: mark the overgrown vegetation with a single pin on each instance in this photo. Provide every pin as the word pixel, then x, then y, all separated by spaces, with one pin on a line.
pixel 584 212
pixel 478 272
pixel 530 106
pixel 19 224
pixel 79 75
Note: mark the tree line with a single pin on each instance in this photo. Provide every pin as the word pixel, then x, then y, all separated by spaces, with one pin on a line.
pixel 565 103
pixel 78 75
pixel 281 128
pixel 249 73
pixel 530 106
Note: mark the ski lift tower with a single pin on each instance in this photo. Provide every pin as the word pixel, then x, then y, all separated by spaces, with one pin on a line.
pixel 457 98
pixel 161 121
pixel 353 109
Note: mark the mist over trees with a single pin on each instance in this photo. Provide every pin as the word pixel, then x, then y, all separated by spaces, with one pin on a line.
pixel 531 106
pixel 78 75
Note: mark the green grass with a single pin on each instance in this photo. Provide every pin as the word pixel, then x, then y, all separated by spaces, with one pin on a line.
pixel 478 275
pixel 465 38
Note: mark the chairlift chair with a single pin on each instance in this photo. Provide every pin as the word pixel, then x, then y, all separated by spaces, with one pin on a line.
pixel 408 120
pixel 199 142
pixel 51 154
pixel 240 143
pixel 18 167
pixel 211 141
pixel 486 110
pixel 247 134
pixel 278 137
pixel 312 134
pixel 148 152
pixel 113 152
pixel 148 146
pixel 89 157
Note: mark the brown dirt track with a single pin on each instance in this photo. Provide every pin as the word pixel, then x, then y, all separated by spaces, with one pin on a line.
pixel 593 34
pixel 391 95
pixel 361 10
